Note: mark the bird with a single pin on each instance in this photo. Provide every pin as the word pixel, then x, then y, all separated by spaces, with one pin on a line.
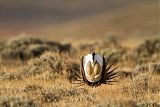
pixel 95 70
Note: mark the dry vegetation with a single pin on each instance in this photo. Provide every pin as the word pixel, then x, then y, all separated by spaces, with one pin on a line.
pixel 37 73
pixel 41 73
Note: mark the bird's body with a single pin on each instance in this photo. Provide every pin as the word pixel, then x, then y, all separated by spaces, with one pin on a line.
pixel 94 69
pixel 93 64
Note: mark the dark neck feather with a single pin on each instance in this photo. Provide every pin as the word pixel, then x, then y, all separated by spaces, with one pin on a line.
pixel 93 54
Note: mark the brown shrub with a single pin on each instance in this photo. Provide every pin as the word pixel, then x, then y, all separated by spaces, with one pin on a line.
pixel 58 94
pixel 140 85
pixel 7 76
pixel 108 102
pixel 14 101
pixel 147 50
pixel 137 87
pixel 88 47
pixel 25 48
pixel 32 88
pixel 142 68
pixel 48 62
pixel 151 67
pixel 124 74
pixel 73 69
pixel 155 68
pixel 129 103
pixel 110 42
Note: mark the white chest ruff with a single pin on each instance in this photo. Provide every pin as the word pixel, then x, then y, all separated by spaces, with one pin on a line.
pixel 89 58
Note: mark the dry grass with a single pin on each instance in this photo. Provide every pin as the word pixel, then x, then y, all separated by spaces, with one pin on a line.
pixel 46 80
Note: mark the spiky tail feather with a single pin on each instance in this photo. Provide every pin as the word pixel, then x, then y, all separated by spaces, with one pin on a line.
pixel 108 74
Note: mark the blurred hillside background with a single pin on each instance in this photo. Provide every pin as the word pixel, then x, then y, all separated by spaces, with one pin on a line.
pixel 74 20
pixel 42 41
